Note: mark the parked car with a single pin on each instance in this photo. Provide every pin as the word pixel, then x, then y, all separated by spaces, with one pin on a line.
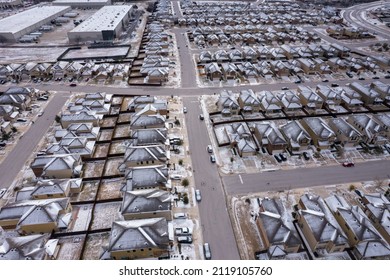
pixel 182 231
pixel 40 113
pixel 207 251
pixel 361 78
pixel 325 80
pixel 375 78
pixel 209 148
pixel 184 239
pixel 282 157
pixel 198 196
pixel 284 88
pixel 185 110
pixel 180 215
pixel 306 156
pixel 278 159
pixel 387 77
pixel 201 117
pixel 348 164
pixel 335 85
pixel 176 177
pixel 21 120
pixel 73 85
pixel 212 158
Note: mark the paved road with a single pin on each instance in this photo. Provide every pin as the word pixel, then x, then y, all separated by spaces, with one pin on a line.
pixel 216 225
pixel 306 177
pixel 16 159
pixel 183 91
pixel 187 66
pixel 354 16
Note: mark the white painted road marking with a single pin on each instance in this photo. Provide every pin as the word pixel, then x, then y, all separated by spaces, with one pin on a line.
pixel 239 176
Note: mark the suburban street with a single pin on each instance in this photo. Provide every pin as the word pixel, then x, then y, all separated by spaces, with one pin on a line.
pixel 25 146
pixel 216 225
pixel 306 177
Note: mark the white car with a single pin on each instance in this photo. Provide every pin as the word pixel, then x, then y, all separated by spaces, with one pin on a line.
pixel 209 148
pixel 198 196
pixel 180 215
pixel 2 192
pixel 180 231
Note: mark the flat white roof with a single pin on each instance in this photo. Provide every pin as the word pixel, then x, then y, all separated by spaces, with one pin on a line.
pixel 80 1
pixel 106 18
pixel 25 19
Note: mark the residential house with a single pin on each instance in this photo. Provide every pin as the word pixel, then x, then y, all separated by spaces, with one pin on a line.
pixel 307 65
pixel 58 70
pixel 213 71
pixel 319 226
pixel 369 95
pixel 250 54
pixel 270 137
pixel 280 68
pixel 83 130
pixel 8 112
pixel 229 70
pixel 309 98
pixel 153 136
pixel 205 57
pixel 377 208
pixel 330 96
pixel 157 75
pixel 147 121
pixel 236 55
pixel 384 120
pixel 276 227
pixel 22 102
pixel 139 239
pixel 146 178
pixel 372 132
pixel 36 216
pixel 297 137
pixel 383 89
pixel 290 101
pixel 227 103
pixel 77 145
pixel 145 156
pixel 57 166
pixel 248 101
pixel 346 134
pixel 269 102
pixel 366 241
pixel 82 117
pixel 321 134
pixel 144 204
pixel 30 247
pixel 240 138
pixel 350 98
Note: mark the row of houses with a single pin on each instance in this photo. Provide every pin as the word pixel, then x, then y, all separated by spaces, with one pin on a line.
pixel 284 52
pixel 64 69
pixel 341 32
pixel 265 13
pixel 353 96
pixel 147 203
pixel 298 136
pixel 327 226
pixel 250 36
pixel 75 141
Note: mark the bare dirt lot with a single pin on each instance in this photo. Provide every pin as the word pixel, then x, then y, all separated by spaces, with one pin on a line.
pixel 117 147
pixel 110 189
pixel 70 247
pixel 112 166
pixel 94 244
pixel 88 192
pixel 93 169
pixel 101 150
pixel 105 135
pixel 105 214
pixel 122 131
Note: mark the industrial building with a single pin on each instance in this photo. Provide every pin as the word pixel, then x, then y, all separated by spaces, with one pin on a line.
pixel 82 3
pixel 15 26
pixel 104 25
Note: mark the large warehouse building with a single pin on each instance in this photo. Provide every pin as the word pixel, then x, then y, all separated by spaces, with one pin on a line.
pixel 104 25
pixel 15 26
pixel 82 3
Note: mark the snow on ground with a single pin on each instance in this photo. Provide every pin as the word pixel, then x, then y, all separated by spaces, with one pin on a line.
pixel 96 52
pixel 105 214
pixel 112 166
pixel 93 245
pixel 82 217
pixel 110 189
pixel 70 247
pixel 24 55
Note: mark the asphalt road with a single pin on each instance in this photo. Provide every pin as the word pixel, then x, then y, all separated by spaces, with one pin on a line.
pixel 306 177
pixel 216 226
pixel 25 146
